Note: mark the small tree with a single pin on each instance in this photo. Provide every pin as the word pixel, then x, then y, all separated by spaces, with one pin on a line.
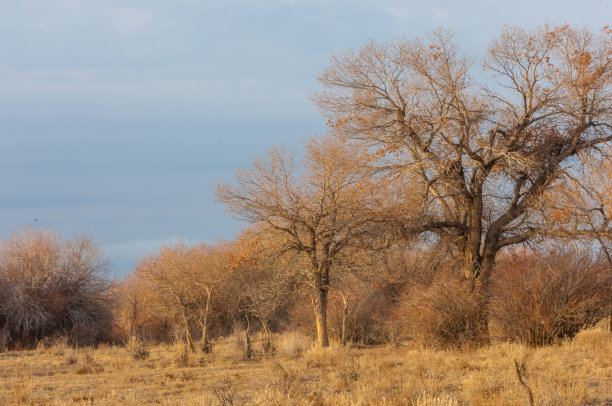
pixel 140 311
pixel 317 211
pixel 169 273
pixel 189 276
pixel 214 264
pixel 266 290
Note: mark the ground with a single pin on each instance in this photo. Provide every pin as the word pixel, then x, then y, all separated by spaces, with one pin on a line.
pixel 571 373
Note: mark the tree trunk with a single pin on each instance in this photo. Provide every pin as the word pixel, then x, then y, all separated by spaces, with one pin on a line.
pixel 477 274
pixel 248 352
pixel 344 317
pixel 320 308
pixel 204 323
pixel 482 290
pixel 267 343
pixel 187 333
pixel 134 318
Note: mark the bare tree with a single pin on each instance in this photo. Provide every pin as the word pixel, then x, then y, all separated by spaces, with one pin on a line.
pixel 131 305
pixel 214 265
pixel 483 154
pixel 141 312
pixel 316 210
pixel 189 275
pixel 168 271
pixel 266 290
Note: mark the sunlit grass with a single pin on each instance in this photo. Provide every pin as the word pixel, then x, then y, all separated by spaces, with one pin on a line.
pixel 574 372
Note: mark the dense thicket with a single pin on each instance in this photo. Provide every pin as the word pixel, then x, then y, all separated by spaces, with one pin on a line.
pixel 50 286
pixel 543 298
pixel 398 292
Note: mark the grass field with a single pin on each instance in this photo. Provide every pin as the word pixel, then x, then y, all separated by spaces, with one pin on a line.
pixel 571 373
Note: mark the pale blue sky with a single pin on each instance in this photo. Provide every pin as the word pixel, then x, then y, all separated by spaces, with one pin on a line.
pixel 116 117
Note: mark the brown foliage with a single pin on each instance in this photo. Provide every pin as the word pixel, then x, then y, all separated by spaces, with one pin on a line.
pixel 185 280
pixel 367 313
pixel 49 286
pixel 139 312
pixel 442 315
pixel 541 299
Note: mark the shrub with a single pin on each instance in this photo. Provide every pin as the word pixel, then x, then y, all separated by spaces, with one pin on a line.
pixel 181 354
pixel 375 291
pixel 137 348
pixel 86 364
pixel 48 286
pixel 140 312
pixel 368 308
pixel 444 314
pixel 541 299
pixel 71 356
pixel 293 345
pixel 290 382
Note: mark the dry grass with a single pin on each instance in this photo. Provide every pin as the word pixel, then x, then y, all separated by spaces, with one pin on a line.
pixel 571 373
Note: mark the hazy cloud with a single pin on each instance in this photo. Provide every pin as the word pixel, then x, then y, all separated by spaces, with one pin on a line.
pixel 440 15
pixel 130 21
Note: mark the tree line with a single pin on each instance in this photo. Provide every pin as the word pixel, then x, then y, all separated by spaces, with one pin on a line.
pixel 437 205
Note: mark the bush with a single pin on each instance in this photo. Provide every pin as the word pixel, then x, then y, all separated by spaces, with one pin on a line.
pixel 369 308
pixel 137 348
pixel 48 286
pixel 293 345
pixel 541 299
pixel 140 312
pixel 444 313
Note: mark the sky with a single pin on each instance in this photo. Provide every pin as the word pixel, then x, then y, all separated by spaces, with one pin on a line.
pixel 117 117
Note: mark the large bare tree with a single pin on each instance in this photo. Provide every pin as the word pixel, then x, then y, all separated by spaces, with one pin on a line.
pixel 317 209
pixel 483 153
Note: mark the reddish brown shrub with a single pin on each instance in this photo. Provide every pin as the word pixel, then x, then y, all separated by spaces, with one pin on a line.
pixel 540 299
pixel 368 310
pixel 444 313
